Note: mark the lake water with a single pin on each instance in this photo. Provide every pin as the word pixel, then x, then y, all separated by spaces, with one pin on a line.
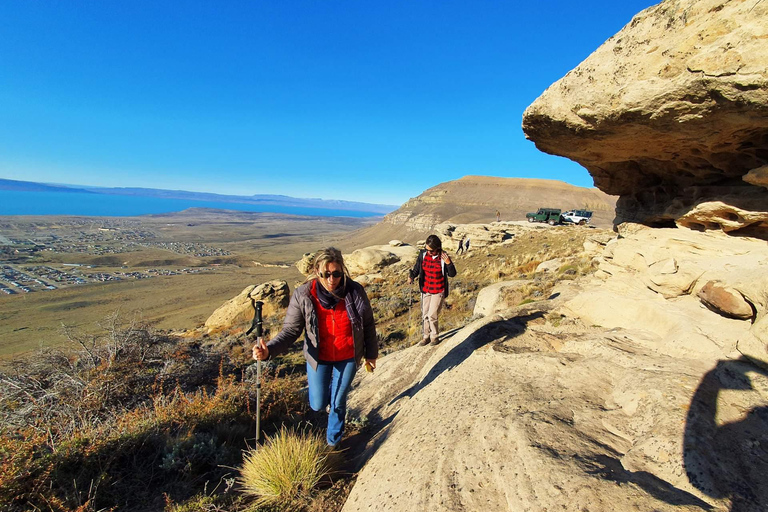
pixel 101 205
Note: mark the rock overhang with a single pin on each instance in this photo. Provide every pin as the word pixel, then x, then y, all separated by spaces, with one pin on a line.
pixel 669 113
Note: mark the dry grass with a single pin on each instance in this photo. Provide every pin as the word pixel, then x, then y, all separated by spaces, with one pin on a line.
pixel 132 421
pixel 286 470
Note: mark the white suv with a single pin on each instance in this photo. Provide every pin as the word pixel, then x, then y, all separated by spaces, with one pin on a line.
pixel 576 216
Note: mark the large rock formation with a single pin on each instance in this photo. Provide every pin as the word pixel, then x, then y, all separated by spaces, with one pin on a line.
pixel 671 114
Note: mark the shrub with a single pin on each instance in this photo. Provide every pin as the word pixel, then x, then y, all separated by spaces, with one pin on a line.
pixel 286 470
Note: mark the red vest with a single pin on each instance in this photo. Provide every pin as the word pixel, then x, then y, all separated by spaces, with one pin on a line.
pixel 434 282
pixel 335 330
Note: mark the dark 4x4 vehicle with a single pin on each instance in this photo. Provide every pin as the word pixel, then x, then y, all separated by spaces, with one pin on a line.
pixel 577 216
pixel 549 215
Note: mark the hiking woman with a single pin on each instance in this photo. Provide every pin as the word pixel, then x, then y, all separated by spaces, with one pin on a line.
pixel 433 267
pixel 336 315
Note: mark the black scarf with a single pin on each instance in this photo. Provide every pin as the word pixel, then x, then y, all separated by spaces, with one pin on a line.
pixel 327 299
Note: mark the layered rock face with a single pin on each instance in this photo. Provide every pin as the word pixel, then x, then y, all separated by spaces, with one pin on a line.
pixel 671 114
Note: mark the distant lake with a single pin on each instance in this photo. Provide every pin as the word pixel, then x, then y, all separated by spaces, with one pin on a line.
pixel 102 205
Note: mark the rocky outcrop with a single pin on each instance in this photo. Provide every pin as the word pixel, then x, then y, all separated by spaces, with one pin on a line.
pixel 496 297
pixel 671 114
pixel 305 264
pixel 369 259
pixel 236 315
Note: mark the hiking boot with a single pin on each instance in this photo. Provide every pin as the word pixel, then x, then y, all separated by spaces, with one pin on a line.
pixel 423 342
pixel 436 341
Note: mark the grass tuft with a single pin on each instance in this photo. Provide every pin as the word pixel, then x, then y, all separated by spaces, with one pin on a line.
pixel 286 469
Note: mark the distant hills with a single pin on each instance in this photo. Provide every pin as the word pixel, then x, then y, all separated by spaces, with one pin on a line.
pixel 259 199
pixel 30 186
pixel 475 199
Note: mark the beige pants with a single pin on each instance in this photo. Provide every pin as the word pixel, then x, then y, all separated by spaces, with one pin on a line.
pixel 430 308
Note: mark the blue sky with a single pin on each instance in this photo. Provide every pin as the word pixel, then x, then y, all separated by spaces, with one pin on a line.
pixel 362 100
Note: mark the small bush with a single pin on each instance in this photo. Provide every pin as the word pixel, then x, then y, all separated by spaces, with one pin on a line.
pixel 286 469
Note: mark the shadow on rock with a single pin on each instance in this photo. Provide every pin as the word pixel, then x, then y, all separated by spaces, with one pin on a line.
pixel 611 468
pixel 728 460
pixel 484 335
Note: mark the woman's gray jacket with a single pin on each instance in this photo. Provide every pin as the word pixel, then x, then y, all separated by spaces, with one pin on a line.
pixel 302 317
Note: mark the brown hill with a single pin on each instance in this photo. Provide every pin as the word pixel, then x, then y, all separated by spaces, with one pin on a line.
pixel 475 199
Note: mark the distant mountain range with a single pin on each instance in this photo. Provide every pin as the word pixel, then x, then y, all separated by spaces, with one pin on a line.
pixel 259 199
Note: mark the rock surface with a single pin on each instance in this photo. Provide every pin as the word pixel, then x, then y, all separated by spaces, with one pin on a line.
pixel 495 298
pixel 609 396
pixel 671 114
pixel 369 259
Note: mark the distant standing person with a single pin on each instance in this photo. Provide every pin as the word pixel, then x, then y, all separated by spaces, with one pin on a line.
pixel 433 268
pixel 498 216
pixel 466 245
pixel 336 315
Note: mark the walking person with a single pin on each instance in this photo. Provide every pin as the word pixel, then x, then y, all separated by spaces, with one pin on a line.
pixel 336 316
pixel 433 268
pixel 461 246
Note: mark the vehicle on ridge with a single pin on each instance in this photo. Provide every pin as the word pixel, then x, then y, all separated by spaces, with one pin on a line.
pixel 549 215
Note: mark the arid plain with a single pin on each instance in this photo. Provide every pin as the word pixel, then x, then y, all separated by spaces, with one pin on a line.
pixel 170 271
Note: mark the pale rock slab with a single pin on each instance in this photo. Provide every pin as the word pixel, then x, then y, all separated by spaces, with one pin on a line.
pixel 491 299
pixel 369 259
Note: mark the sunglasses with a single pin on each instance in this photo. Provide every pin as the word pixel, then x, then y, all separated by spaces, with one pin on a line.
pixel 336 273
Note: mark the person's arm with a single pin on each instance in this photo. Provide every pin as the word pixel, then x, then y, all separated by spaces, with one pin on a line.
pixel 369 330
pixel 450 268
pixel 293 326
pixel 414 272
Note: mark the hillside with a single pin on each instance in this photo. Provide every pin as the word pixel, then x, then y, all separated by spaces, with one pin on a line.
pixel 475 199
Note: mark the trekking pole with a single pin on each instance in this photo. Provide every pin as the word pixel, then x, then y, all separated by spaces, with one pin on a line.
pixel 410 311
pixel 257 327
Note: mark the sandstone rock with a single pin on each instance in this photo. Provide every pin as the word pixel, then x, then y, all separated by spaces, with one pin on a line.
pixel 754 345
pixel 757 176
pixel 479 235
pixel 236 315
pixel 395 243
pixel 670 113
pixel 367 279
pixel 544 419
pixel 305 264
pixel 550 266
pixel 725 300
pixel 719 215
pixel 364 261
pixel 667 278
pixel 493 298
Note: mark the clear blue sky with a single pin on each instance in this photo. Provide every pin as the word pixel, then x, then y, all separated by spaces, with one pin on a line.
pixel 363 100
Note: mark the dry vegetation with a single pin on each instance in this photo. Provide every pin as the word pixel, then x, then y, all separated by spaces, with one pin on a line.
pixel 133 418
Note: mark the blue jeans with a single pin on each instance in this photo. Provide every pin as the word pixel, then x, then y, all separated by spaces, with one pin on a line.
pixel 329 384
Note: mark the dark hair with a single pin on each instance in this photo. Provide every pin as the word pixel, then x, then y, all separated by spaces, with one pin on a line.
pixel 434 243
